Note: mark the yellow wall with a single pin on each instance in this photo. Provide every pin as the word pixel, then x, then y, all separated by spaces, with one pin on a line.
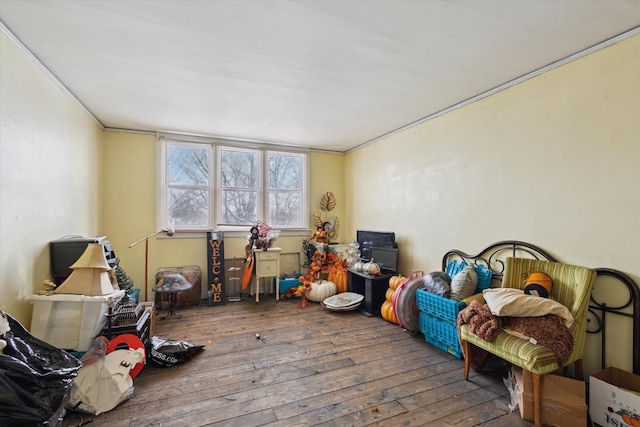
pixel 130 213
pixel 50 176
pixel 552 161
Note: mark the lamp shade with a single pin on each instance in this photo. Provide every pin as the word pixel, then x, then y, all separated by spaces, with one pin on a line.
pixel 92 257
pixel 89 275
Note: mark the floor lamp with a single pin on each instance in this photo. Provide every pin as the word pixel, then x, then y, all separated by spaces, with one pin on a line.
pixel 169 231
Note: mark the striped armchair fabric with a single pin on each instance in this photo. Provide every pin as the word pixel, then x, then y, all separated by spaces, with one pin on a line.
pixel 572 288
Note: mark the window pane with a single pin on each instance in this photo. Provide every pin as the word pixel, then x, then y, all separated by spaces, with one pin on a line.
pixel 240 169
pixel 207 184
pixel 284 208
pixel 188 207
pixel 239 207
pixel 187 165
pixel 284 171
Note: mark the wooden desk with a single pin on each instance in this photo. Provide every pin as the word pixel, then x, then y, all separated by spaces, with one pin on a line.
pixel 267 264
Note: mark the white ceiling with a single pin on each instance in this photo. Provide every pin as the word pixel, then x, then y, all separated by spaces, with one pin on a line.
pixel 329 75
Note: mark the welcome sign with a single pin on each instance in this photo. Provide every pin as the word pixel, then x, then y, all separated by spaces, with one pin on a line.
pixel 215 257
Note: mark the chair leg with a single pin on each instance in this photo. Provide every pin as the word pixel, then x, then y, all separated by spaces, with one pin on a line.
pixel 465 350
pixel 577 369
pixel 537 399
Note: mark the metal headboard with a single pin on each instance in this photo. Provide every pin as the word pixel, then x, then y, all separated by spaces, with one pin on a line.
pixel 598 311
pixel 493 256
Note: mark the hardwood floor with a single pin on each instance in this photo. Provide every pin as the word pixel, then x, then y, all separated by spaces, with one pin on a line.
pixel 312 367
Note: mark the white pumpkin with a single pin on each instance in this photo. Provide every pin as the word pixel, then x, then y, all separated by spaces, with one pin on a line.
pixel 321 290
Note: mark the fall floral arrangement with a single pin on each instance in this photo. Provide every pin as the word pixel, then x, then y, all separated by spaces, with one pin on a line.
pixel 324 264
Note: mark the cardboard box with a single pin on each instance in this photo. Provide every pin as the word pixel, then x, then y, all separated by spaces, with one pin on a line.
pixel 614 398
pixel 563 399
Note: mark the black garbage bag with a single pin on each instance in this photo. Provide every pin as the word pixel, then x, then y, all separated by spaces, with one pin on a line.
pixel 35 379
pixel 166 353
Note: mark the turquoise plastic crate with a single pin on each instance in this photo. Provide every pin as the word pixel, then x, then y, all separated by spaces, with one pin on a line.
pixel 442 308
pixel 286 284
pixel 445 308
pixel 484 274
pixel 440 334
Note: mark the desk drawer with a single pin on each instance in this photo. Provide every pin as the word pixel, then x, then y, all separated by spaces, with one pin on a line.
pixel 266 255
pixel 267 268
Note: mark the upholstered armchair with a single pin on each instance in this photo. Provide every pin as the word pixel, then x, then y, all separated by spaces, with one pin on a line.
pixel 572 288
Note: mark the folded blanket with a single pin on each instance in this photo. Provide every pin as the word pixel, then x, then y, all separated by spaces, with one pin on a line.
pixel 550 331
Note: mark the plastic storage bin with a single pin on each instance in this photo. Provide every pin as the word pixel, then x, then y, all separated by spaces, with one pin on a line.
pixel 441 334
pixel 70 322
pixel 438 315
pixel 436 306
pixel 286 284
pixel 445 308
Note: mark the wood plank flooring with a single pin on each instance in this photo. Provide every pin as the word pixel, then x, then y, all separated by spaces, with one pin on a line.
pixel 312 367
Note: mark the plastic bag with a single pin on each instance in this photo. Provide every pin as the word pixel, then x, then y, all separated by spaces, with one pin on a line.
pixel 438 283
pixel 35 379
pixel 166 353
pixel 104 381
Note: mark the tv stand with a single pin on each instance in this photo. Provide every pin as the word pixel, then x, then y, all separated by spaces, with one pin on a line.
pixel 373 288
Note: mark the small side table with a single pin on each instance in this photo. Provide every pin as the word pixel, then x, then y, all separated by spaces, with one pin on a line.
pixel 373 288
pixel 172 285
pixel 267 264
pixel 173 297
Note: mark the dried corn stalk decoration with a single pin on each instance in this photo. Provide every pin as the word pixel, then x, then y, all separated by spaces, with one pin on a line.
pixel 328 201
pixel 330 223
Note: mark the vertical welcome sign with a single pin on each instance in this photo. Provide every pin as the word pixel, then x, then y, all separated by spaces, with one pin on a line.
pixel 215 256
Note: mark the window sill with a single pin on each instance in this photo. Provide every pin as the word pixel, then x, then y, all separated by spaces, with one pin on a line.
pixel 228 233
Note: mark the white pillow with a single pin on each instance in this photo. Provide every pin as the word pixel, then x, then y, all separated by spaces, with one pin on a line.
pixel 515 303
pixel 464 284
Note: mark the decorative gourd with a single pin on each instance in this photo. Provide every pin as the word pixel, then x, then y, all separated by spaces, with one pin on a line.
pixel 321 291
pixel 332 276
pixel 389 295
pixel 387 312
pixel 340 279
pixel 395 281
pixel 371 268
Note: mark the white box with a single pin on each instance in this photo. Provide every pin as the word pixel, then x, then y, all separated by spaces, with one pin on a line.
pixel 614 398
pixel 70 322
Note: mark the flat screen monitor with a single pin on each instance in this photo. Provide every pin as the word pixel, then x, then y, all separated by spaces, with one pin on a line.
pixel 379 239
pixel 386 258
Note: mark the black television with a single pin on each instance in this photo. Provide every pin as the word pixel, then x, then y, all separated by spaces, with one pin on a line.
pixel 66 251
pixel 379 239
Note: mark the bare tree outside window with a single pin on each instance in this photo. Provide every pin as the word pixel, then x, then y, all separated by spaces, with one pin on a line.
pixel 285 172
pixel 188 185
pixel 239 184
pixel 250 184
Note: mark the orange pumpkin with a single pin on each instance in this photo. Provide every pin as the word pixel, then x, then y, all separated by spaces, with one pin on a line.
pixel 340 279
pixel 387 312
pixel 332 276
pixel 389 295
pixel 395 281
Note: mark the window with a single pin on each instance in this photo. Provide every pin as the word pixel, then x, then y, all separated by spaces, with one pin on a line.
pixel 188 185
pixel 207 185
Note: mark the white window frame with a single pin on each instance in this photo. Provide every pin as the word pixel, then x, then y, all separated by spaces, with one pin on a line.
pixel 214 183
